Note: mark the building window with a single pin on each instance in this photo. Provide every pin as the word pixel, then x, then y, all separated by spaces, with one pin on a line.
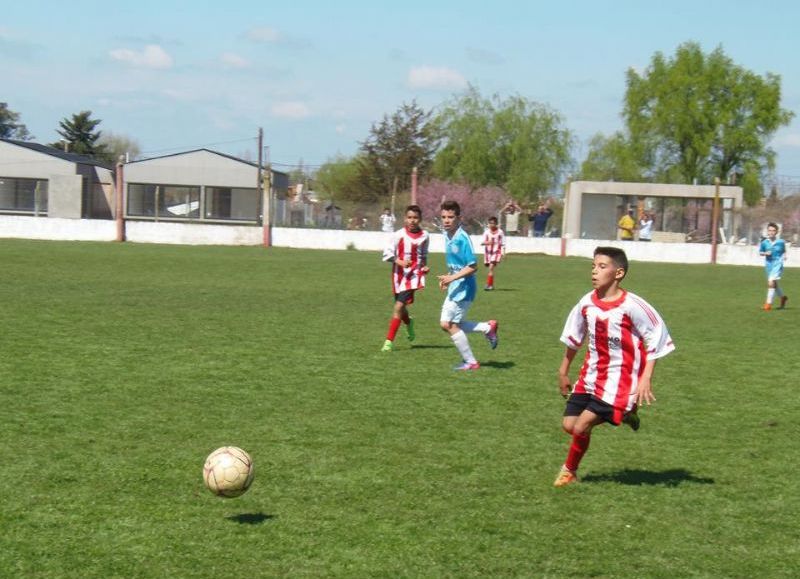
pixel 163 201
pixel 23 195
pixel 237 204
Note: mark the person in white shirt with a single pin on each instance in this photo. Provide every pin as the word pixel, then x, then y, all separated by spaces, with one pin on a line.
pixel 646 227
pixel 387 221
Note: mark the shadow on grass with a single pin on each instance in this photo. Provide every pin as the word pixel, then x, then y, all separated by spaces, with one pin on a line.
pixel 669 478
pixel 503 289
pixel 501 365
pixel 250 518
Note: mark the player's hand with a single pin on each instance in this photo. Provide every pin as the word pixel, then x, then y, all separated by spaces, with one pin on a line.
pixel 424 269
pixel 644 393
pixel 403 262
pixel 564 384
pixel 444 281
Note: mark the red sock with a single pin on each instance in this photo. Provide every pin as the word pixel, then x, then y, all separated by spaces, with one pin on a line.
pixel 393 325
pixel 490 280
pixel 406 318
pixel 579 446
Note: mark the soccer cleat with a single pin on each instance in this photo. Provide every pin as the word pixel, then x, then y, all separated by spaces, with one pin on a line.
pixel 410 330
pixel 488 288
pixel 632 419
pixel 767 307
pixel 388 346
pixel 783 302
pixel 466 366
pixel 565 477
pixel 491 335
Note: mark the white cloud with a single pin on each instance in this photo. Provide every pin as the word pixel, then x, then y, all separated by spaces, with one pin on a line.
pixel 290 110
pixel 787 140
pixel 264 34
pixel 434 77
pixel 153 56
pixel 232 60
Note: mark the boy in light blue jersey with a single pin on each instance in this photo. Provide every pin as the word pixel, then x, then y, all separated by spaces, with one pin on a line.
pixel 774 252
pixel 461 288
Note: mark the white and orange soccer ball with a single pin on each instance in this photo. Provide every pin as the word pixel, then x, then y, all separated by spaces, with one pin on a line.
pixel 228 471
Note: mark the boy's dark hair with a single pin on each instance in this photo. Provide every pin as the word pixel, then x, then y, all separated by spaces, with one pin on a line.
pixel 493 220
pixel 772 224
pixel 616 254
pixel 450 205
pixel 415 208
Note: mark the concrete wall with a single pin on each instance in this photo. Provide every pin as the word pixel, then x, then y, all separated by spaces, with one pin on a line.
pixel 64 196
pixel 25 227
pixel 194 168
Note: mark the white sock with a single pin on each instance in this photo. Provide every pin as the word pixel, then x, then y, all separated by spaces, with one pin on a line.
pixel 770 295
pixel 470 327
pixel 462 345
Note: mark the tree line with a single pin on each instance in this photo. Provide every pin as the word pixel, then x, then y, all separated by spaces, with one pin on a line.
pixel 689 117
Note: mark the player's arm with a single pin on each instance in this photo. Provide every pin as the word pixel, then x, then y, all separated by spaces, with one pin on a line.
pixel 564 384
pixel 467 270
pixel 644 392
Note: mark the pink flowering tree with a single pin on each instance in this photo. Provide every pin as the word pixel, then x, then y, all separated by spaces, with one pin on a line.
pixel 477 205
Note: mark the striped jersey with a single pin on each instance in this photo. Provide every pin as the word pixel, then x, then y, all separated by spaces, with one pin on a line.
pixel 408 246
pixel 494 245
pixel 621 337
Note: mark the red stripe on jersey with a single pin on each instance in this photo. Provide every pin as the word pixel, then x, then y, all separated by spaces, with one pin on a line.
pixel 603 355
pixel 628 359
pixel 580 384
pixel 414 259
pixel 398 271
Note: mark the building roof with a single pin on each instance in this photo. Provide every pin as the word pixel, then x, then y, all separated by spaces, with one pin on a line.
pixel 53 152
pixel 202 150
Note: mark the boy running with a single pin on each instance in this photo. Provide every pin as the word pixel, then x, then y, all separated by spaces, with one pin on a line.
pixel 409 255
pixel 625 338
pixel 461 288
pixel 774 252
pixel 494 246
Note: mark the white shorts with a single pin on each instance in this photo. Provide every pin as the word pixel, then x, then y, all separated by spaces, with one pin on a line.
pixel 454 312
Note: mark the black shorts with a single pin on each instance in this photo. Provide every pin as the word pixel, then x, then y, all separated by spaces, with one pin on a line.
pixel 405 297
pixel 577 403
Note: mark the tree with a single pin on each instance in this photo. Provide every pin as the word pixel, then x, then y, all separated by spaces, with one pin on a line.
pixel 698 116
pixel 477 205
pixel 80 135
pixel 115 146
pixel 10 127
pixel 611 159
pixel 394 147
pixel 339 178
pixel 515 144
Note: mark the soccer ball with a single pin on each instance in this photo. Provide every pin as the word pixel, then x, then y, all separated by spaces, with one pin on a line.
pixel 228 471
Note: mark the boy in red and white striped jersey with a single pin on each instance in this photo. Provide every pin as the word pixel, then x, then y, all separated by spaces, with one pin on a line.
pixel 494 246
pixel 409 256
pixel 625 336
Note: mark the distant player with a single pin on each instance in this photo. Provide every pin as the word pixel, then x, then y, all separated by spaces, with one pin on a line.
pixel 774 252
pixel 461 288
pixel 625 336
pixel 494 247
pixel 409 256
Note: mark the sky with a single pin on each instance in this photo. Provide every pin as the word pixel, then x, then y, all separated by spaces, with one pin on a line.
pixel 315 75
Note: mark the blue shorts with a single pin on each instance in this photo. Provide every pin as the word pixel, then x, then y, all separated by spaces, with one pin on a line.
pixel 774 270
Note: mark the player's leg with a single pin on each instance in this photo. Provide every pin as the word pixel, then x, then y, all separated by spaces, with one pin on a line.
pixel 770 294
pixel 488 329
pixel 394 324
pixel 490 277
pixel 450 320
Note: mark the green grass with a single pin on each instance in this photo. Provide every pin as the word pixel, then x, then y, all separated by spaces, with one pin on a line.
pixel 122 366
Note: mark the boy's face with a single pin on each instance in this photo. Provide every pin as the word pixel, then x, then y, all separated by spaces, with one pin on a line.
pixel 772 233
pixel 412 221
pixel 449 220
pixel 493 225
pixel 605 272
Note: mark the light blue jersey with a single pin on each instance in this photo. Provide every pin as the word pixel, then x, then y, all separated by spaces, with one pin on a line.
pixel 460 254
pixel 773 263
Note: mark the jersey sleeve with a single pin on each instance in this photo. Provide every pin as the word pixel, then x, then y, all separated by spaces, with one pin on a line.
pixel 468 254
pixel 651 328
pixel 390 252
pixel 575 328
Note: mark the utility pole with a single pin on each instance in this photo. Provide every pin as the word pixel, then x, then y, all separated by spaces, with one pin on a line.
pixel 263 189
pixel 715 221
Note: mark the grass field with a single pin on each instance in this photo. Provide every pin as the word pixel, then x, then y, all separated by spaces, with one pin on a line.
pixel 122 366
